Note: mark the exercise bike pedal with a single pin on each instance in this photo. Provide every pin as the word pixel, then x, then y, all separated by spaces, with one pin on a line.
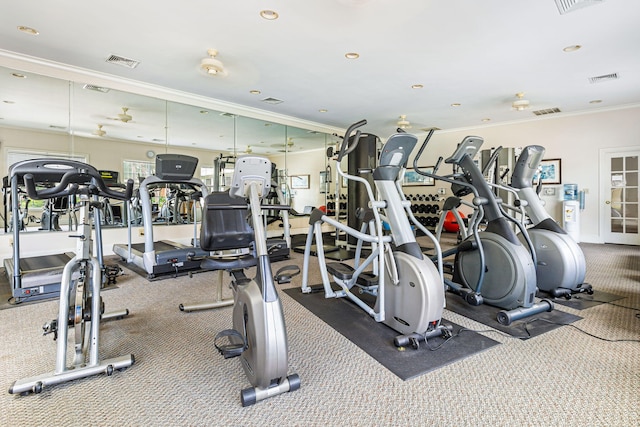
pixel 286 273
pixel 231 350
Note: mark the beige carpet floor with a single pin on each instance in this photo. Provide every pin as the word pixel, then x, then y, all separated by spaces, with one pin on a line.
pixel 565 377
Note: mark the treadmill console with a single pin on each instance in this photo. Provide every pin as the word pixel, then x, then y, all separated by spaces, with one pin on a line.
pixel 109 177
pixel 175 167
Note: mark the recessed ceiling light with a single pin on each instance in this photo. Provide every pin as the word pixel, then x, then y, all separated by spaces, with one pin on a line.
pixel 269 14
pixel 255 92
pixel 595 101
pixel 486 120
pixel 323 110
pixel 352 55
pixel 18 75
pixel 418 86
pixel 572 48
pixel 456 104
pixel 8 102
pixel 204 112
pixel 28 30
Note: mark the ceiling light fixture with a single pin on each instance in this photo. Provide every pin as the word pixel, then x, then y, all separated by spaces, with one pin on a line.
pixel 211 65
pixel 520 104
pixel 269 15
pixel 255 92
pixel 28 30
pixel 322 110
pixel 595 101
pixel 18 75
pixel 417 86
pixel 352 55
pixel 456 104
pixel 486 120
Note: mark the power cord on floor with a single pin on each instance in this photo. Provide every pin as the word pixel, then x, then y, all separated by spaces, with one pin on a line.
pixel 526 329
pixel 581 330
pixel 607 302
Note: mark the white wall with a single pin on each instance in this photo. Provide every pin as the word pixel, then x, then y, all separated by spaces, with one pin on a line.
pixel 575 139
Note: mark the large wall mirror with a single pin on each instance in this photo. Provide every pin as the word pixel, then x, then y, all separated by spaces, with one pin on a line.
pixel 108 128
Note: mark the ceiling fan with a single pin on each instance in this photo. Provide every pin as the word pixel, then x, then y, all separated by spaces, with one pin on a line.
pixel 403 123
pixel 99 131
pixel 124 117
pixel 287 144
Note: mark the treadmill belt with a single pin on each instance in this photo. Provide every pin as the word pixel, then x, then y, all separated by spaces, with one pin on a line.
pixel 43 262
pixel 159 246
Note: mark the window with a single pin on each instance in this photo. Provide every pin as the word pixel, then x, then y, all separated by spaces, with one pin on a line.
pixel 19 156
pixel 137 170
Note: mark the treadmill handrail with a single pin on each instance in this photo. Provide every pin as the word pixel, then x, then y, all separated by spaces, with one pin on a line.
pixel 147 216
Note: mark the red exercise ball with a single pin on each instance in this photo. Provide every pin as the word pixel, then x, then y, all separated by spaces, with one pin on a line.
pixel 450 223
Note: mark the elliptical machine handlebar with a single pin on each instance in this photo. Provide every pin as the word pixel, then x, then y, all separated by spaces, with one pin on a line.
pixel 492 160
pixel 345 148
pixel 451 179
pixel 71 182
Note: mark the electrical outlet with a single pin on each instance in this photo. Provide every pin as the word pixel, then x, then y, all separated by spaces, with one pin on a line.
pixel 442 191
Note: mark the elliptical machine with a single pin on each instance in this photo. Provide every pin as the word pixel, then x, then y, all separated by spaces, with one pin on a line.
pixel 408 287
pixel 561 265
pixel 259 335
pixel 83 308
pixel 492 265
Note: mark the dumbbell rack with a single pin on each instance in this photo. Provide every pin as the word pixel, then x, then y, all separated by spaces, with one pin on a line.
pixel 426 208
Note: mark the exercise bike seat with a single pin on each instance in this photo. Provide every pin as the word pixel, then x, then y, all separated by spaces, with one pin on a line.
pixel 224 228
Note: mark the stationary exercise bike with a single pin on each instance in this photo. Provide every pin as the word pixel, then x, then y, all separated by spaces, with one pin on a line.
pixel 561 265
pixel 407 286
pixel 81 306
pixel 490 266
pixel 259 335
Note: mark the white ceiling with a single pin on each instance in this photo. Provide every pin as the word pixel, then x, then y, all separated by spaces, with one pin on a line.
pixel 475 53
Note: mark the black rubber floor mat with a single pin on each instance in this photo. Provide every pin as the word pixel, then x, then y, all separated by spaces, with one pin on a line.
pixel 526 328
pixel 376 339
pixel 582 301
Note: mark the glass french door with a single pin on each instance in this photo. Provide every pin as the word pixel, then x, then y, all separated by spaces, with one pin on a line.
pixel 620 207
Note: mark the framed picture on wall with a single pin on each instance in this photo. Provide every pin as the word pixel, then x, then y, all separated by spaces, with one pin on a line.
pixel 549 172
pixel 300 182
pixel 411 177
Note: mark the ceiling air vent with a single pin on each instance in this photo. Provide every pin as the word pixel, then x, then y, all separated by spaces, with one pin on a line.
pixel 603 78
pixel 125 62
pixel 96 88
pixel 566 6
pixel 272 100
pixel 547 111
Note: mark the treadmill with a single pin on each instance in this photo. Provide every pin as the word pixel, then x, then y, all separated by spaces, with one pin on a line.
pixel 38 277
pixel 164 257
